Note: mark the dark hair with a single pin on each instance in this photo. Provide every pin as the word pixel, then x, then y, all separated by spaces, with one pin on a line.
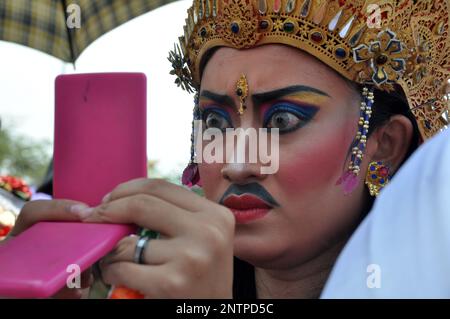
pixel 386 105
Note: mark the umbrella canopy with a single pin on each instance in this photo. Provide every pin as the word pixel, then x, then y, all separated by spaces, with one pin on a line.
pixel 42 24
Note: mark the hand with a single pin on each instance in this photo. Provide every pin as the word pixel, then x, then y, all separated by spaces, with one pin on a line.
pixel 56 210
pixel 193 259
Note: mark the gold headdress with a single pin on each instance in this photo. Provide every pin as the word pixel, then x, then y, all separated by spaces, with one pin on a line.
pixel 371 42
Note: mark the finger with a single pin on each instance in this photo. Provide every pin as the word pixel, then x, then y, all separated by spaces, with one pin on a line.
pixel 156 252
pixel 152 281
pixel 175 194
pixel 145 211
pixel 86 279
pixel 46 210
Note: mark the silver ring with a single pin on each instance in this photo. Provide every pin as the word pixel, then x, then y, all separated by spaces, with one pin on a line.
pixel 139 250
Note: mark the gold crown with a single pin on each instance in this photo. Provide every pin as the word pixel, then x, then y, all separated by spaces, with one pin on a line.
pixel 380 43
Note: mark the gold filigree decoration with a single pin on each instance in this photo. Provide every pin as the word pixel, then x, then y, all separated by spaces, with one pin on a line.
pixel 343 35
pixel 238 24
pixel 385 58
pixel 242 93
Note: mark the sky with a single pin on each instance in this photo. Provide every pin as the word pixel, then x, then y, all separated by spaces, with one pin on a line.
pixel 140 45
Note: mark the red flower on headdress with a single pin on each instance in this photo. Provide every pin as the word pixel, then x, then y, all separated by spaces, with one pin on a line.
pixel 16 186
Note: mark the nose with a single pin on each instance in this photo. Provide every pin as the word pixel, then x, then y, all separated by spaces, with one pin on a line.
pixel 242 163
pixel 242 173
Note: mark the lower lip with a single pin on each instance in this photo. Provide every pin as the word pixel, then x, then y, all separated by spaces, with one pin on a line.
pixel 244 216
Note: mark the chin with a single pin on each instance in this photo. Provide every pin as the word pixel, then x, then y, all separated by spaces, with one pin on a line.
pixel 269 251
pixel 262 253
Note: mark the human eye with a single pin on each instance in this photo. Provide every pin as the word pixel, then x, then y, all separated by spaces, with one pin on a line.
pixel 216 118
pixel 288 117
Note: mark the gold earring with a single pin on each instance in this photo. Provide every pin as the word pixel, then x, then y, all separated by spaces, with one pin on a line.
pixel 377 177
pixel 242 92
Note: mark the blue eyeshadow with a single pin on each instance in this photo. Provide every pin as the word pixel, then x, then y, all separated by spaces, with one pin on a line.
pixel 304 112
pixel 218 110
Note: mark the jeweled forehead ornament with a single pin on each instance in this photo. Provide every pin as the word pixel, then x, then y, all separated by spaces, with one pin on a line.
pixel 242 93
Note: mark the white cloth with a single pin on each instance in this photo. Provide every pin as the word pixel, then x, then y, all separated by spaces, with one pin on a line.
pixel 402 248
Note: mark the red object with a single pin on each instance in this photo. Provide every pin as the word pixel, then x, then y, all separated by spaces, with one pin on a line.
pixel 277 6
pixel 247 208
pixel 383 171
pixel 125 293
pixel 316 37
pixel 4 230
pixel 16 184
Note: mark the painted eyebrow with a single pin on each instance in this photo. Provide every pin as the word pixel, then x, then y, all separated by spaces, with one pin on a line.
pixel 222 99
pixel 261 98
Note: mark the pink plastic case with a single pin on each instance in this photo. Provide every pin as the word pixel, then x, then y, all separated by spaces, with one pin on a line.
pixel 100 142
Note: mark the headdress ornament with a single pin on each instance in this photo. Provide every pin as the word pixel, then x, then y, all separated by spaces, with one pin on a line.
pixel 376 43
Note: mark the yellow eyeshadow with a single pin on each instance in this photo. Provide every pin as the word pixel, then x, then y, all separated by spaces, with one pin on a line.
pixel 204 100
pixel 307 97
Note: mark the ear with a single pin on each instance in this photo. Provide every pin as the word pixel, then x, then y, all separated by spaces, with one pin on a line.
pixel 390 142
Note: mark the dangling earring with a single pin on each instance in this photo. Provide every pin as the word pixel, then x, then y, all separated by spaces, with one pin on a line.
pixel 377 177
pixel 191 175
pixel 349 179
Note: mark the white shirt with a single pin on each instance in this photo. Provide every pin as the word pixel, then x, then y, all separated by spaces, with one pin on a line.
pixel 402 248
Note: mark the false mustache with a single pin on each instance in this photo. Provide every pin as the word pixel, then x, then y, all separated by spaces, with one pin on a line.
pixel 250 188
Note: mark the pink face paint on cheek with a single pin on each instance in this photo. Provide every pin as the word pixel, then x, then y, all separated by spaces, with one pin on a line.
pixel 313 164
pixel 211 177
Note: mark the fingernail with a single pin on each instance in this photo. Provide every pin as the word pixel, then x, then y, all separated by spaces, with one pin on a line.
pixel 106 198
pixel 81 210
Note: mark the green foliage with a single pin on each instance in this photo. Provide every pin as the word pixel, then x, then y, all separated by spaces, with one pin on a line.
pixel 153 172
pixel 23 156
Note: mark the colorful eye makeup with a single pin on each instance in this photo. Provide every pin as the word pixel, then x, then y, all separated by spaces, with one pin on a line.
pixel 216 117
pixel 288 116
pixel 287 108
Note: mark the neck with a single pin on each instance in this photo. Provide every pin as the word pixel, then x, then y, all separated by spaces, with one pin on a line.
pixel 304 281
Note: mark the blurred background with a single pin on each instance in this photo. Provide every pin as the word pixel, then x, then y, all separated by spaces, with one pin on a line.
pixel 139 45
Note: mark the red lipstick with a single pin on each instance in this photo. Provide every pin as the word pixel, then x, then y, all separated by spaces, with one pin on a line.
pixel 246 207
